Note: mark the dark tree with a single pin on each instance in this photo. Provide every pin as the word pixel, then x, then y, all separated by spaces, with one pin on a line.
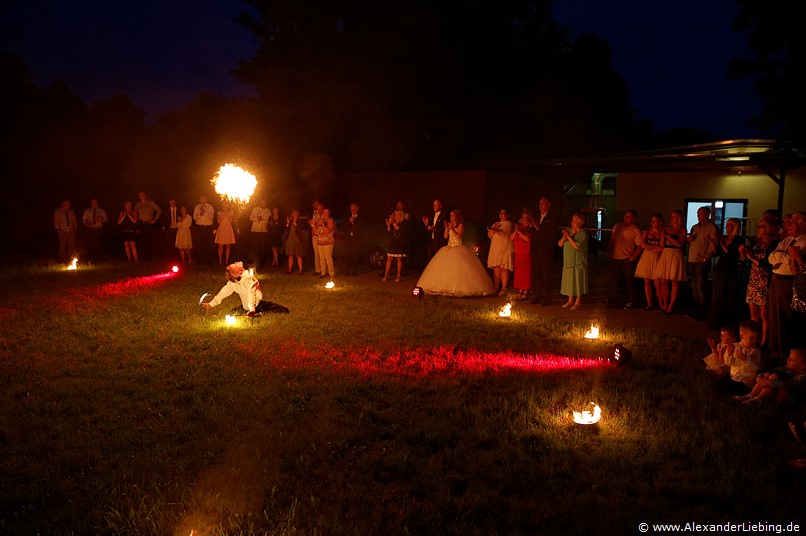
pixel 382 85
pixel 777 66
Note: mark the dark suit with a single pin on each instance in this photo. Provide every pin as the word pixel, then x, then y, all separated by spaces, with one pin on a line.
pixel 353 242
pixel 542 248
pixel 170 231
pixel 436 239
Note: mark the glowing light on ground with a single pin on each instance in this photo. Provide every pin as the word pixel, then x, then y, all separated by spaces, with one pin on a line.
pixel 505 311
pixel 593 332
pixel 73 265
pixel 234 184
pixel 230 320
pixel 591 416
pixel 175 269
pixel 330 284
pixel 416 362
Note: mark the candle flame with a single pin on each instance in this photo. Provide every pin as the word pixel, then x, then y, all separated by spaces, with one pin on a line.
pixel 230 320
pixel 74 264
pixel 505 311
pixel 593 332
pixel 588 417
pixel 330 284
pixel 234 184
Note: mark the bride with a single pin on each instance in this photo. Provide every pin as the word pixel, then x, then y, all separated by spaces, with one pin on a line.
pixel 455 270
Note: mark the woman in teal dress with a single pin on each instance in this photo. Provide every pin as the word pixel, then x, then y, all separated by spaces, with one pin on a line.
pixel 575 262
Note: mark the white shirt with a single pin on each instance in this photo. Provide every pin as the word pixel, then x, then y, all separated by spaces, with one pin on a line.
pixel 94 218
pixel 207 217
pixel 248 289
pixel 625 240
pixel 780 257
pixel 701 249
pixel 260 219
pixel 743 368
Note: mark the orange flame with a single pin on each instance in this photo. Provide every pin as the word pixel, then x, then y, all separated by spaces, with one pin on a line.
pixel 234 184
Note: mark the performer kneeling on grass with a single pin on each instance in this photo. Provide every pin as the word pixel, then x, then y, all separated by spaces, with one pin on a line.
pixel 247 287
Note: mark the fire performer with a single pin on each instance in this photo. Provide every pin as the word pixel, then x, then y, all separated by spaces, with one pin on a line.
pixel 247 287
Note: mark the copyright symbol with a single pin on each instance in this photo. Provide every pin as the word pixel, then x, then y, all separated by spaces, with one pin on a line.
pixel 643 527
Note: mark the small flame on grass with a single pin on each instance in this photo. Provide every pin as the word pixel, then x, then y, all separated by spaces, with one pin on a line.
pixel 230 320
pixel 73 264
pixel 593 332
pixel 588 417
pixel 505 311
pixel 330 284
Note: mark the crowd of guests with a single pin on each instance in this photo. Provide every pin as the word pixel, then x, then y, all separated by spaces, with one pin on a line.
pixel 756 299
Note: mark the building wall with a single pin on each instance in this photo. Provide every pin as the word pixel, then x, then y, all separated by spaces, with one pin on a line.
pixel 664 192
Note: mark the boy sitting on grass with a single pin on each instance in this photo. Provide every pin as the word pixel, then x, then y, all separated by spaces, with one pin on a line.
pixel 739 360
pixel 247 287
pixel 715 361
pixel 786 384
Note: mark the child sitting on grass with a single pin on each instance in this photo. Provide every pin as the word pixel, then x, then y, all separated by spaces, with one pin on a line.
pixel 740 360
pixel 715 361
pixel 783 384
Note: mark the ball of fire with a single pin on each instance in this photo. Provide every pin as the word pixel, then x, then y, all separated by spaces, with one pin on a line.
pixel 234 184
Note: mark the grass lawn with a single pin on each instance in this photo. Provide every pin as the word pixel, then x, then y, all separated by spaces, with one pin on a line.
pixel 126 409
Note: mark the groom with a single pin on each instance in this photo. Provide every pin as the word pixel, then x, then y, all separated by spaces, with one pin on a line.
pixel 435 226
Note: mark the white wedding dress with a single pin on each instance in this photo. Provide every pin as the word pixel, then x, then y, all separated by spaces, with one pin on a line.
pixel 455 271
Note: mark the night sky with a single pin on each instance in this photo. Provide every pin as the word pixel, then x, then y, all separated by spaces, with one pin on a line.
pixel 673 55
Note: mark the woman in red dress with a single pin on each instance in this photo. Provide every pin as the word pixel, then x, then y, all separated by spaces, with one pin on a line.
pixel 521 238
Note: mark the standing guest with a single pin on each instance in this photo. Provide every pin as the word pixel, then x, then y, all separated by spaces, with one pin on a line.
pixel 672 265
pixel 294 241
pixel 623 251
pixel 786 326
pixel 773 218
pixel 325 239
pixel 275 235
pixel 203 217
pixel 225 234
pixel 259 232
pixel 725 296
pixel 353 240
pixel 127 221
pixel 455 270
pixel 575 262
pixel 521 240
pixel 757 294
pixel 64 221
pixel 184 240
pixel 94 219
pixel 701 246
pixel 401 207
pixel 313 222
pixel 148 213
pixel 501 255
pixel 170 226
pixel 435 225
pixel 646 269
pixel 543 238
pixel 396 244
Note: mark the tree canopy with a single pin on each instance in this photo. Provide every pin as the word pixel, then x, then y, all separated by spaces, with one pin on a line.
pixel 390 85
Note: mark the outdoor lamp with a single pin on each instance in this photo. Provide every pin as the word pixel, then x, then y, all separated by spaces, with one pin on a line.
pixel 620 355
